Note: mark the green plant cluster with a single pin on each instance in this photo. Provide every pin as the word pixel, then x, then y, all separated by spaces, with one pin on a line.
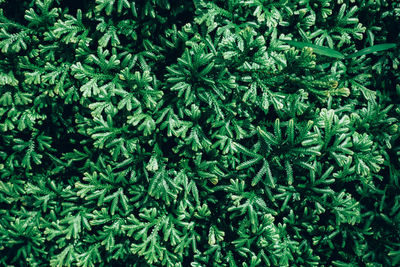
pixel 199 133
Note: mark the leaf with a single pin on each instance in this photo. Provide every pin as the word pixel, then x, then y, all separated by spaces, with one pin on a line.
pixel 207 69
pixel 248 163
pixel 211 236
pixel 290 131
pixel 148 126
pixel 277 130
pixel 162 186
pixel 372 49
pixel 65 258
pixel 264 169
pixel 89 87
pixel 271 180
pixel 238 147
pixel 89 257
pixel 321 50
pixel 74 227
pixel 289 172
pixel 268 137
pixel 367 93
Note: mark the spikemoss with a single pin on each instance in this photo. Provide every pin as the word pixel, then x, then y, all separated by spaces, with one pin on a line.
pixel 199 133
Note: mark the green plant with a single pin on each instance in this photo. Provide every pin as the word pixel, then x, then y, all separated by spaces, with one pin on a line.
pixel 199 133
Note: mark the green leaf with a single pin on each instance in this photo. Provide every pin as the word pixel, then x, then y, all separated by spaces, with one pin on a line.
pixel 367 93
pixel 162 186
pixel 270 178
pixel 89 87
pixel 290 131
pixel 289 172
pixel 239 148
pixel 89 257
pixel 372 49
pixel 277 130
pixel 248 163
pixel 321 50
pixel 268 137
pixel 65 258
pixel 264 170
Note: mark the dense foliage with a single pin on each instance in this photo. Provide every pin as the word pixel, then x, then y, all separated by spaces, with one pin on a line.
pixel 199 133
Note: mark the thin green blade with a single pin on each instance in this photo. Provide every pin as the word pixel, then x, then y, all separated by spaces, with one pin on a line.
pixel 321 50
pixel 372 49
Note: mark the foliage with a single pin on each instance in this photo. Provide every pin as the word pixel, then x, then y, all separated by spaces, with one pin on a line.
pixel 199 133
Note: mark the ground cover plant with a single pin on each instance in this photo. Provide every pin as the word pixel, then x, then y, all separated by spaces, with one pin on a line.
pixel 199 133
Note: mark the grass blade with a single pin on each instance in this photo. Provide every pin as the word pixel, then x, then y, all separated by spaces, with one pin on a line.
pixel 372 49
pixel 321 50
